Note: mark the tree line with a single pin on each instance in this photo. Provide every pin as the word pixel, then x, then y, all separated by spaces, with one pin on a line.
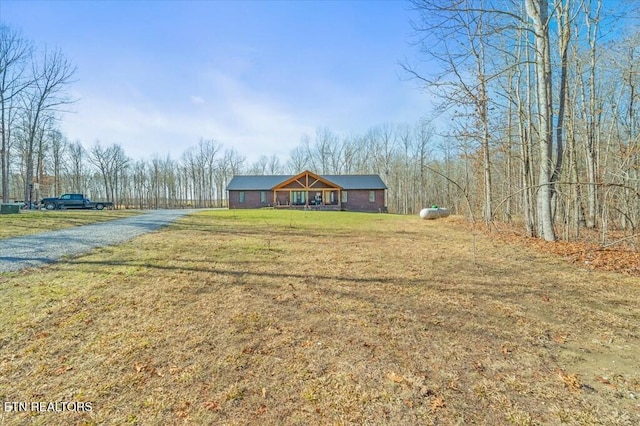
pixel 543 102
pixel 535 121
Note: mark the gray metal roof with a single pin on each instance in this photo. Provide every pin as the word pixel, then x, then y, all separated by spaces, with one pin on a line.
pixel 255 182
pixel 357 181
pixel 266 182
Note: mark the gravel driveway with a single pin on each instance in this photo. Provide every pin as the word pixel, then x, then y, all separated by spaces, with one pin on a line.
pixel 39 249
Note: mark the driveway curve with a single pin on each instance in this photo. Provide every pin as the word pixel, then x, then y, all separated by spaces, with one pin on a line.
pixel 40 249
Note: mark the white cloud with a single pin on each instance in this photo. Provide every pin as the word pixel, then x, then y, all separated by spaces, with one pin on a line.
pixel 254 122
pixel 240 119
pixel 196 100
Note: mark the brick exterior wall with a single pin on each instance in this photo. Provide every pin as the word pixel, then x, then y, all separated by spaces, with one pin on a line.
pixel 251 200
pixel 358 201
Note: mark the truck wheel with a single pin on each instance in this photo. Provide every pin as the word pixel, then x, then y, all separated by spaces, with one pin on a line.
pixel 50 206
pixel 99 206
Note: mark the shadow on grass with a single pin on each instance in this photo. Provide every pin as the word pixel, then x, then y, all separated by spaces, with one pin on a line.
pixel 482 288
pixel 442 317
pixel 77 262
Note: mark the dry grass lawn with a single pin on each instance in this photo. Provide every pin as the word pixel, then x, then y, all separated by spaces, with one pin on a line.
pixel 272 317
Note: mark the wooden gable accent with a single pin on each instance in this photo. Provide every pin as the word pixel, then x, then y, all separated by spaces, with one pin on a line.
pixel 306 181
pixel 306 189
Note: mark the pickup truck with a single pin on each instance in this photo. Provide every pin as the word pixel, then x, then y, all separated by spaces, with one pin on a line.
pixel 74 201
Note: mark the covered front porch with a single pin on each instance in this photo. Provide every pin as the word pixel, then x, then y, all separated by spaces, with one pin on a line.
pixel 307 190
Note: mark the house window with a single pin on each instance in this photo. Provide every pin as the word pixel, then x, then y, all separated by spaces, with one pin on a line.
pixel 298 198
pixel 263 197
pixel 344 196
pixel 241 196
pixel 372 196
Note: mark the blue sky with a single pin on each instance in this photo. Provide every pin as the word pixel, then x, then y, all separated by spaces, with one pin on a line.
pixel 156 76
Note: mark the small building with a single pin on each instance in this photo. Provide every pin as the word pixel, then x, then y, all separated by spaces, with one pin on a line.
pixel 365 193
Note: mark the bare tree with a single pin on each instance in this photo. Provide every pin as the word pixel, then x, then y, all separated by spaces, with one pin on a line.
pixel 46 96
pixel 624 57
pixel 424 135
pixel 457 34
pixel 274 167
pixel 349 155
pixel 298 159
pixel 590 115
pixel 259 167
pixel 538 11
pixel 221 177
pixel 140 184
pixel 321 154
pixel 58 147
pixel 15 53
pixel 100 158
pixel 208 150
pixel 75 158
pixel 112 163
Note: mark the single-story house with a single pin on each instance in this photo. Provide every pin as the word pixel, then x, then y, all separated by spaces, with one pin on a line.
pixel 366 193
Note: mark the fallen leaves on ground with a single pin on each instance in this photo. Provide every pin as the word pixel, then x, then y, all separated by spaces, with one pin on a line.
pixel 618 255
pixel 571 381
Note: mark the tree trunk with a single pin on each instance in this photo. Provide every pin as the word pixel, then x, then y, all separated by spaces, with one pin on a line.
pixel 538 12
